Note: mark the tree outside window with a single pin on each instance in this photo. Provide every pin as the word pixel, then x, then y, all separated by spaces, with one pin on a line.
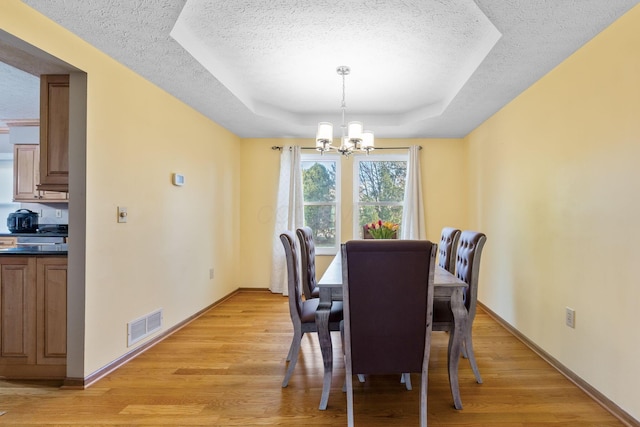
pixel 379 185
pixel 320 175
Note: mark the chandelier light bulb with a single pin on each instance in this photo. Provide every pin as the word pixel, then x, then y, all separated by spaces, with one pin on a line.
pixel 355 131
pixel 367 140
pixel 325 134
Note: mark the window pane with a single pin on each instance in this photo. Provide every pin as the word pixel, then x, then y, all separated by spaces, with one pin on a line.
pixel 322 220
pixel 319 181
pixel 370 213
pixel 321 191
pixel 382 181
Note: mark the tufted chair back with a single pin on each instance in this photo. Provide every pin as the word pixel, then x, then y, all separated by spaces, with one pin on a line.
pixel 293 275
pixel 468 266
pixel 447 248
pixel 467 269
pixel 303 312
pixel 308 258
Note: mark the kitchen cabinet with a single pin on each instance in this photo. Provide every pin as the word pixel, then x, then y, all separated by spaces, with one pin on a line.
pixel 26 176
pixel 33 317
pixel 51 311
pixel 54 133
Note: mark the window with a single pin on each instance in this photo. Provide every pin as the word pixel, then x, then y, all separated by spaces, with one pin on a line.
pixel 320 183
pixel 378 189
pixel 6 186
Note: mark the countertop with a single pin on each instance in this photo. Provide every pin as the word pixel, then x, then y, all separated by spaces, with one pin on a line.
pixel 36 250
pixel 8 234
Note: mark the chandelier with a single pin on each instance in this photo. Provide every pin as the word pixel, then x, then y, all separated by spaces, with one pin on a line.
pixel 353 136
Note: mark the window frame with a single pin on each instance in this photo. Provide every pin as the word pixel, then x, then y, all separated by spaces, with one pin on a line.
pixel 357 159
pixel 317 157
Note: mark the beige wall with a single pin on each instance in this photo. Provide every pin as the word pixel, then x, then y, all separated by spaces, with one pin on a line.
pixel 551 179
pixel 444 188
pixel 554 185
pixel 137 136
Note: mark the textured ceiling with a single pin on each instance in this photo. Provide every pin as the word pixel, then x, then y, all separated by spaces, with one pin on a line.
pixel 420 68
pixel 20 94
pixel 279 57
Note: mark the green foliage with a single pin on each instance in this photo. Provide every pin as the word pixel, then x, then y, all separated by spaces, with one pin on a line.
pixel 381 188
pixel 319 185
pixel 319 181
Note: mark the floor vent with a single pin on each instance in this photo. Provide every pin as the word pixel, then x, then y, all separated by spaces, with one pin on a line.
pixel 144 326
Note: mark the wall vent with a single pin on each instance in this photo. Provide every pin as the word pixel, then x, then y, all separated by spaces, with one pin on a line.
pixel 144 326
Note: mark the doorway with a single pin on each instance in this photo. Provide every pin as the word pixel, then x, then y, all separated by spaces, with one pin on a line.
pixel 23 56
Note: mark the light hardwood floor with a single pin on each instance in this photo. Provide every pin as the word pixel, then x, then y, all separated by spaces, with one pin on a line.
pixel 226 368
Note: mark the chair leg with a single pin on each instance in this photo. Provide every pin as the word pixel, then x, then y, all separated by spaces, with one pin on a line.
pixel 468 346
pixel 291 347
pixel 361 378
pixel 293 356
pixel 406 380
pixel 349 381
pixel 424 382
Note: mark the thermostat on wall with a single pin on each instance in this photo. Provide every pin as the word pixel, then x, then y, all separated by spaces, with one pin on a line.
pixel 178 179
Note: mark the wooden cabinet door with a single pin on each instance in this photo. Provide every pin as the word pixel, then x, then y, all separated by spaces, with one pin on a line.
pixel 25 172
pixel 17 311
pixel 26 176
pixel 54 133
pixel 51 288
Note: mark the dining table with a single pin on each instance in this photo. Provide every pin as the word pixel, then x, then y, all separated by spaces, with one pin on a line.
pixel 446 286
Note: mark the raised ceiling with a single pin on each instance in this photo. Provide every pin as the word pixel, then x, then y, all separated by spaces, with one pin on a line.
pixel 420 68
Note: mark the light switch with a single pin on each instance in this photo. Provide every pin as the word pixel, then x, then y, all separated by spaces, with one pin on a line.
pixel 122 214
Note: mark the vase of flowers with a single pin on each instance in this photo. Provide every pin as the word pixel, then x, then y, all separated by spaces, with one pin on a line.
pixel 382 229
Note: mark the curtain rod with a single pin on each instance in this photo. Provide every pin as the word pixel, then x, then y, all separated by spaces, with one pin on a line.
pixel 279 147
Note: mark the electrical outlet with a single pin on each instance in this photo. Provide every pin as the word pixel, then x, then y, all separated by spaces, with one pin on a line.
pixel 570 317
pixel 58 213
pixel 211 273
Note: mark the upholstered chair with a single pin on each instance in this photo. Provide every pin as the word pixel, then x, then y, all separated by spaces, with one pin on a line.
pixel 303 312
pixel 308 262
pixel 468 257
pixel 388 307
pixel 447 248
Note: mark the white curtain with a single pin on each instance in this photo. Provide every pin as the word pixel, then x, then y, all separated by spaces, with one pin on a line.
pixel 413 223
pixel 289 213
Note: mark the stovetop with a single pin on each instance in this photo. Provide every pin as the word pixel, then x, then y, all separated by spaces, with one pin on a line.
pixel 53 228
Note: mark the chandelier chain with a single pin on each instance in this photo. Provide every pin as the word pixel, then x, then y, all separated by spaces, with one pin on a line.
pixel 344 72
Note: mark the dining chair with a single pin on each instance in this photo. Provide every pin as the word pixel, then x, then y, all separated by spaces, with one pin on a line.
pixel 303 312
pixel 447 248
pixel 308 262
pixel 388 307
pixel 468 256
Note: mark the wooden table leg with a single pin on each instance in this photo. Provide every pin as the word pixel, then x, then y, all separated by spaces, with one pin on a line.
pixel 324 337
pixel 455 344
